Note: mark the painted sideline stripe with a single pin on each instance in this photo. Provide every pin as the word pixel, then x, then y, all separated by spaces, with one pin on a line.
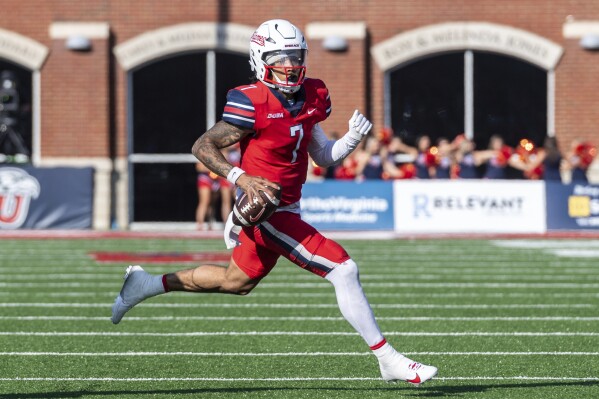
pixel 480 266
pixel 545 244
pixel 443 285
pixel 331 294
pixel 359 235
pixel 287 379
pixel 294 318
pixel 327 285
pixel 173 234
pixel 365 278
pixel 289 354
pixel 292 333
pixel 60 285
pixel 299 305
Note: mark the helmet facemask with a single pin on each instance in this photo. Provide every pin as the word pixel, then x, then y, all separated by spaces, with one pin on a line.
pixel 285 69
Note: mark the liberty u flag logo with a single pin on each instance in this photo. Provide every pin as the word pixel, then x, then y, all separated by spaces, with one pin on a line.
pixel 17 188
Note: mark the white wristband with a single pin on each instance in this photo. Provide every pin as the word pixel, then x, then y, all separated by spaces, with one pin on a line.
pixel 234 174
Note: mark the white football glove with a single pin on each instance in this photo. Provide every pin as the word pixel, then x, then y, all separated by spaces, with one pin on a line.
pixel 359 126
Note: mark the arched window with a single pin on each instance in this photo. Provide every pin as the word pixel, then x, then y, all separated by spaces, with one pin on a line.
pixel 173 101
pixel 427 98
pixel 16 136
pixel 477 78
pixel 20 61
pixel 439 95
pixel 509 99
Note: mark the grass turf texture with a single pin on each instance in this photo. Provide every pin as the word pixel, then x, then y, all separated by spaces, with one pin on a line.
pixel 500 319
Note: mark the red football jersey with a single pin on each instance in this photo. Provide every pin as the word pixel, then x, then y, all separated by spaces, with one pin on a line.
pixel 277 150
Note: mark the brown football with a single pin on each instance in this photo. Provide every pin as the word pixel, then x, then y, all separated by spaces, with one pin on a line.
pixel 245 215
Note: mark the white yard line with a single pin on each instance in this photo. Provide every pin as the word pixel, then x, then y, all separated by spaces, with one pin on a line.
pixel 283 354
pixel 575 253
pixel 58 294
pixel 392 276
pixel 571 249
pixel 293 318
pixel 285 379
pixel 481 265
pixel 116 285
pixel 443 285
pixel 62 276
pixel 331 294
pixel 546 244
pixel 293 333
pixel 301 305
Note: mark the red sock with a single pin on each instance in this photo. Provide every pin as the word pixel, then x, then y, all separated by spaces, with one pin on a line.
pixel 379 345
pixel 164 284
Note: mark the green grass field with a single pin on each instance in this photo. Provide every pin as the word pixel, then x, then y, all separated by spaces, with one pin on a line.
pixel 500 319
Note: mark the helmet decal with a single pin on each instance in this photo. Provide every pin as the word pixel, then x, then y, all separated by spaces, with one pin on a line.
pixel 258 39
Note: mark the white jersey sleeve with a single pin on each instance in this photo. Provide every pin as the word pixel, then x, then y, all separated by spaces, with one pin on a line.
pixel 327 152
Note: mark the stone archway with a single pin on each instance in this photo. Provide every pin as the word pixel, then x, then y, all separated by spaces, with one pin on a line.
pixel 181 38
pixel 30 55
pixel 22 50
pixel 455 36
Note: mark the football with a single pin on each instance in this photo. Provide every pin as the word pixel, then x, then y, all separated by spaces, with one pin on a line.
pixel 245 215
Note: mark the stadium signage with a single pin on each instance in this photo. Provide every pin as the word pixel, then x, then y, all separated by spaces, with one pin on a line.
pixel 481 206
pixel 17 189
pixel 22 50
pixel 454 36
pixel 423 203
pixel 334 205
pixel 182 37
pixel 572 207
pixel 46 198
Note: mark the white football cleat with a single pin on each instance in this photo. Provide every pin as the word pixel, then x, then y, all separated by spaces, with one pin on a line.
pixel 396 367
pixel 135 289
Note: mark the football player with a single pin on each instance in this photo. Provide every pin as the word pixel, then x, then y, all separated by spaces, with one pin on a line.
pixel 276 121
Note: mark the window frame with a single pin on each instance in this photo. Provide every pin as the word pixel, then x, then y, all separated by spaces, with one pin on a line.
pixel 469 100
pixel 168 158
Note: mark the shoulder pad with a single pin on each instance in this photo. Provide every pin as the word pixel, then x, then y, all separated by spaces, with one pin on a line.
pixel 256 92
pixel 318 86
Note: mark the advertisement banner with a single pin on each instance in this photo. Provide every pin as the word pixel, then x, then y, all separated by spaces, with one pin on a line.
pixel 473 206
pixel 572 206
pixel 46 198
pixel 337 205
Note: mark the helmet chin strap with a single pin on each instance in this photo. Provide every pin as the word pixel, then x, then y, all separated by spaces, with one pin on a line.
pixel 285 89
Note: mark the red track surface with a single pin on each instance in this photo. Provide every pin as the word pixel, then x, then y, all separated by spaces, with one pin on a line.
pixel 161 257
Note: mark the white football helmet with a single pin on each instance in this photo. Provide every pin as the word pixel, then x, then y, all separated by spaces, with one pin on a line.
pixel 278 44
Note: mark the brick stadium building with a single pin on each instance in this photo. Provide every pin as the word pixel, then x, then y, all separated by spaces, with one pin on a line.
pixel 127 86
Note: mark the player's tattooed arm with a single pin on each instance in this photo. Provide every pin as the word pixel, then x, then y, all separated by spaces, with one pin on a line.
pixel 207 147
pixel 207 150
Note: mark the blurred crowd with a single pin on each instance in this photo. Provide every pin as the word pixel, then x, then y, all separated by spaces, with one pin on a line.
pixel 387 157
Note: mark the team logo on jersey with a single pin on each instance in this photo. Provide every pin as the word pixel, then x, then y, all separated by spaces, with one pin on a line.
pixel 258 39
pixel 277 115
pixel 17 187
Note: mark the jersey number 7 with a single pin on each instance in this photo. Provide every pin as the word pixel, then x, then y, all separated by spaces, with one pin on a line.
pixel 297 130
